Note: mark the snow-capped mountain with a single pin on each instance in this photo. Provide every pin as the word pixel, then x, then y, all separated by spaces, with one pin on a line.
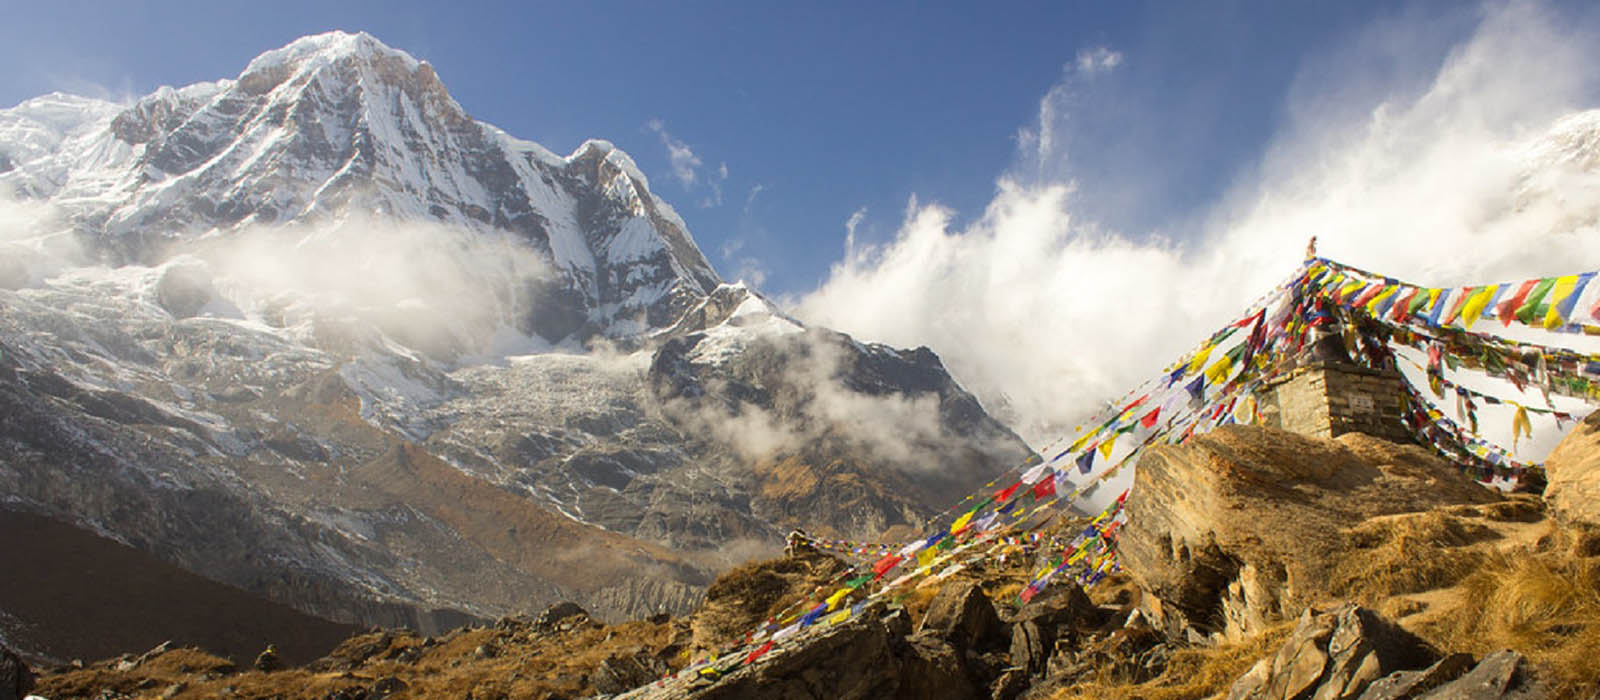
pixel 339 124
pixel 317 333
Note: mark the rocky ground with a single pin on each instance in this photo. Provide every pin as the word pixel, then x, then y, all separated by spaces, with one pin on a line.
pixel 1259 564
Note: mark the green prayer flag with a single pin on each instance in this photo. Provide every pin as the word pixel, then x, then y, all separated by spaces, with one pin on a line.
pixel 1526 312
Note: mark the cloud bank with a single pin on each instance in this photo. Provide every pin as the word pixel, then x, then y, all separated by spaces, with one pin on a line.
pixel 1482 167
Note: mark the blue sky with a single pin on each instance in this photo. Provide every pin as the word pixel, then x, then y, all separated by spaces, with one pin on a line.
pixel 816 110
pixel 1057 197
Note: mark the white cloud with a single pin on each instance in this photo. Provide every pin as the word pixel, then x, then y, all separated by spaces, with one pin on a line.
pixel 750 199
pixel 685 164
pixel 1098 60
pixel 1467 172
pixel 680 156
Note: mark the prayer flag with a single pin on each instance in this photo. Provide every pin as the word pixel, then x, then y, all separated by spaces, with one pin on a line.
pixel 763 649
pixel 1474 306
pixel 1508 308
pixel 833 600
pixel 1455 309
pixel 1108 445
pixel 1531 307
pixel 885 564
pixel 1045 488
pixel 1561 307
pixel 960 524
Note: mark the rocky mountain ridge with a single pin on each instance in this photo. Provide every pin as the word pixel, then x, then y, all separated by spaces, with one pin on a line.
pixel 316 333
pixel 1467 593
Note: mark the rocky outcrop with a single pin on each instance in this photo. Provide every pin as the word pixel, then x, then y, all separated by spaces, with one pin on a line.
pixel 1350 653
pixel 870 657
pixel 963 616
pixel 1333 655
pixel 741 599
pixel 1233 530
pixel 1503 675
pixel 16 679
pixel 1573 473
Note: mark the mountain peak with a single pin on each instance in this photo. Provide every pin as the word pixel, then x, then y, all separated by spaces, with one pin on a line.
pixel 328 46
pixel 358 58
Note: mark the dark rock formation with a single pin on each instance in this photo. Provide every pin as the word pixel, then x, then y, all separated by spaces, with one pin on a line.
pixel 963 616
pixel 1350 653
pixel 1333 655
pixel 16 679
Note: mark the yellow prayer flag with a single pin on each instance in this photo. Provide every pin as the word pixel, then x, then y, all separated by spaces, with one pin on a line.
pixel 1199 359
pixel 925 557
pixel 833 600
pixel 839 617
pixel 1372 305
pixel 1219 370
pixel 1563 289
pixel 1520 425
pixel 1078 444
pixel 1475 305
pixel 961 522
pixel 1106 447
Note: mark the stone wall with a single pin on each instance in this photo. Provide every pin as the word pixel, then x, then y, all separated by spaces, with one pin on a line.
pixel 1328 400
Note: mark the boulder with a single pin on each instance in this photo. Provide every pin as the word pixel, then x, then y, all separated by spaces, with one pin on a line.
pixel 1404 685
pixel 1333 655
pixel 1572 471
pixel 16 679
pixel 1133 654
pixel 617 674
pixel 554 615
pixel 930 667
pixel 1503 675
pixel 853 660
pixel 962 615
pixel 1230 532
pixel 1064 612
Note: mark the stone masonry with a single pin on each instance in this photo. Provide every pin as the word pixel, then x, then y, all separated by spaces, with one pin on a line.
pixel 1328 399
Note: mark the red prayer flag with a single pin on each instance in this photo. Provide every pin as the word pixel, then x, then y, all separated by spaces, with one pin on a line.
pixel 1005 495
pixel 757 653
pixel 1402 308
pixel 1150 418
pixel 1046 487
pixel 1367 295
pixel 1508 308
pixel 884 565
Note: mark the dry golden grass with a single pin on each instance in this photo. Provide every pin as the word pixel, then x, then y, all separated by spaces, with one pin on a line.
pixel 1193 673
pixel 522 666
pixel 1545 605
pixel 1411 553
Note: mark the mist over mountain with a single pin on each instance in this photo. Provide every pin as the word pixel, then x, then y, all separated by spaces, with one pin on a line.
pixel 317 333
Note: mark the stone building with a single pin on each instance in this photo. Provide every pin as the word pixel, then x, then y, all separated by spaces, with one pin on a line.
pixel 1327 395
pixel 1328 399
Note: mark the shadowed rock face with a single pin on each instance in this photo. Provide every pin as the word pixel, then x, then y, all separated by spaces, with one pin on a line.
pixel 1237 529
pixel 1351 652
pixel 1334 654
